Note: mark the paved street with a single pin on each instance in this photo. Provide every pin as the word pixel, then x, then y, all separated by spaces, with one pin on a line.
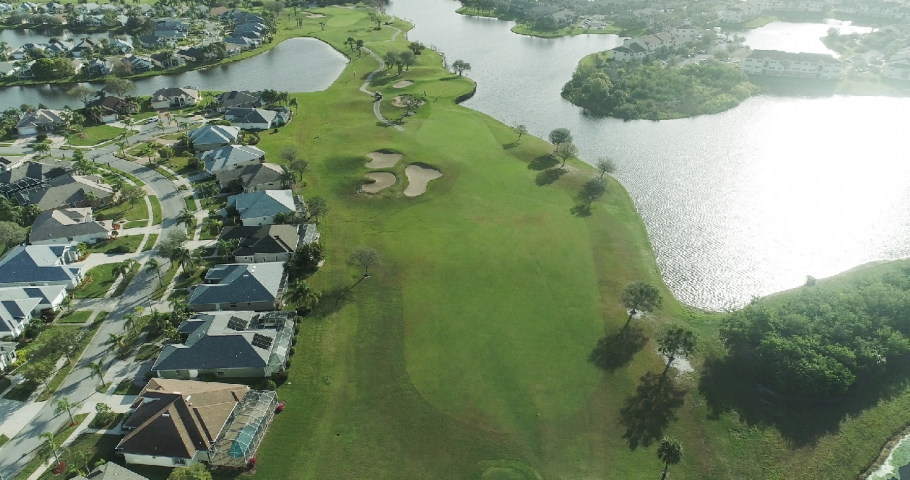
pixel 79 386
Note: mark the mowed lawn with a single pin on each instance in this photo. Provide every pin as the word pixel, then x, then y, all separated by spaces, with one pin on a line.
pixel 465 355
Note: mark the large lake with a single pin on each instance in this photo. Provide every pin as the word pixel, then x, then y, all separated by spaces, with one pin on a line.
pixel 295 65
pixel 737 205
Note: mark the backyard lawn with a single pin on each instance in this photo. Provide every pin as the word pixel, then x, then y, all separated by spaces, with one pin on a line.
pixel 125 244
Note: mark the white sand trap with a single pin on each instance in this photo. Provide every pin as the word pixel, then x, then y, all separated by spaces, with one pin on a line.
pixel 381 181
pixel 418 178
pixel 399 102
pixel 403 83
pixel 383 160
pixel 315 15
pixel 681 364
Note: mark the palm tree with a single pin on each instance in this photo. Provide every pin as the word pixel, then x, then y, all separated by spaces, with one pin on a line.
pixel 185 259
pixel 670 452
pixel 212 224
pixel 130 322
pixel 185 217
pixel 153 265
pixel 225 248
pixel 91 197
pixel 124 267
pixel 288 178
pixel 97 369
pixel 116 342
pixel 64 405
pixel 49 438
pixel 301 294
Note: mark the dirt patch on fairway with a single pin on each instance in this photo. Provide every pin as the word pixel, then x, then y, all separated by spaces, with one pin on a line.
pixel 381 181
pixel 399 102
pixel 383 159
pixel 403 83
pixel 418 178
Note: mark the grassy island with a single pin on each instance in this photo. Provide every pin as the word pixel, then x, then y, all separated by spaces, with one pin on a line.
pixel 655 91
pixel 467 354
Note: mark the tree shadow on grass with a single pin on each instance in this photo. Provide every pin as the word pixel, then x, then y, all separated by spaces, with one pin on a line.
pixel 613 352
pixel 548 177
pixel 648 412
pixel 542 162
pixel 581 211
pixel 728 386
pixel 509 146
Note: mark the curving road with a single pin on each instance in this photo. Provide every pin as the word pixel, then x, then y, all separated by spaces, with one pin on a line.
pixel 79 386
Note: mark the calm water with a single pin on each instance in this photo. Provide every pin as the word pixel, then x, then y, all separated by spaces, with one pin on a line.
pixel 737 205
pixel 295 65
pixel 798 37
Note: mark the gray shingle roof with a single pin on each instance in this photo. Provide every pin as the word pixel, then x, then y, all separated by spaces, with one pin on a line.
pixel 265 203
pixel 59 224
pixel 15 312
pixel 229 156
pixel 252 175
pixel 239 283
pixel 111 471
pixel 66 190
pixel 44 294
pixel 264 239
pixel 214 135
pixel 35 264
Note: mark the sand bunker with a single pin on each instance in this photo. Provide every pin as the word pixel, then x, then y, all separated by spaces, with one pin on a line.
pixel 381 181
pixel 403 83
pixel 383 160
pixel 418 178
pixel 399 102
pixel 315 15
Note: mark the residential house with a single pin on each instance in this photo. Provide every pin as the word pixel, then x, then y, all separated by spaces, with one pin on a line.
pixel 26 71
pixel 59 48
pixel 235 99
pixel 97 67
pixel 250 118
pixel 5 8
pixel 15 316
pixel 242 42
pixel 210 137
pixel 652 43
pixel 269 243
pixel 7 355
pixel 86 46
pixel 49 297
pixel 231 49
pixel 240 16
pixel 775 63
pixel 252 178
pixel 196 54
pixel 138 64
pixel 9 69
pixel 255 287
pixel 86 8
pixel 177 423
pixel 41 120
pixel 171 28
pixel 39 265
pixel 68 190
pixel 29 175
pixel 628 53
pixel 155 41
pixel 902 54
pixel 122 45
pixel 68 225
pixel 231 157
pixel 112 107
pixel 168 60
pixel 899 70
pixel 237 344
pixel 175 98
pixel 261 207
pixel 685 33
pixel 110 471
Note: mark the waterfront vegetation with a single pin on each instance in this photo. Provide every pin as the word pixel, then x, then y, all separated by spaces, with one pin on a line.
pixel 653 91
pixel 468 347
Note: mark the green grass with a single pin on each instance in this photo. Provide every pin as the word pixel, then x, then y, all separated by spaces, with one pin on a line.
pixel 208 233
pixel 127 211
pixel 124 244
pixel 136 224
pixel 150 243
pixel 523 29
pixel 76 317
pixel 190 203
pixel 166 278
pixel 165 173
pixel 156 210
pixel 94 135
pixel 127 387
pixel 3 440
pixel 147 351
pixel 115 420
pixel 5 382
pixel 98 280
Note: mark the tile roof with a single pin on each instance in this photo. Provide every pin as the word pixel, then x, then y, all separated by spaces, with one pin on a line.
pixel 177 418
pixel 264 203
pixel 239 283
